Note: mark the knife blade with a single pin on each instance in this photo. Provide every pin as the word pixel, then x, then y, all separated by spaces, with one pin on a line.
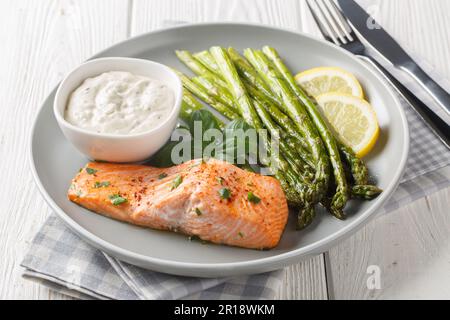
pixel 382 42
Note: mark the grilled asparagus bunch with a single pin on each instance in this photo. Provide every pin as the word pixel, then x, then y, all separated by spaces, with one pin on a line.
pixel 258 88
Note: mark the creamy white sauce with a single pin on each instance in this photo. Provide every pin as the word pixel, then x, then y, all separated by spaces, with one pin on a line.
pixel 120 103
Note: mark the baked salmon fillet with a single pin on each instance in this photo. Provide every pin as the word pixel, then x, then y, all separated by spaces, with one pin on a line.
pixel 212 200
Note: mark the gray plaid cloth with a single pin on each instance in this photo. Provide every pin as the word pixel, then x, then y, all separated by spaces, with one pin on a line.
pixel 61 260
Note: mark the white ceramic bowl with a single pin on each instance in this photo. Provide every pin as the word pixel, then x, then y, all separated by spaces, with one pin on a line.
pixel 113 147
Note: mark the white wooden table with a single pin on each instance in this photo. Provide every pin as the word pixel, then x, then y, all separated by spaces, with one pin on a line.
pixel 42 40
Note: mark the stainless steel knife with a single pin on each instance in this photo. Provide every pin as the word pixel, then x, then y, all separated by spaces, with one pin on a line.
pixel 384 44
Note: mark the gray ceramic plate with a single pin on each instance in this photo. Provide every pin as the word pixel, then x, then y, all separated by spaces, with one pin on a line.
pixel 54 161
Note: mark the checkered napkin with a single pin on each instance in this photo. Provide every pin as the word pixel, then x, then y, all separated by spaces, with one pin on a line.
pixel 61 260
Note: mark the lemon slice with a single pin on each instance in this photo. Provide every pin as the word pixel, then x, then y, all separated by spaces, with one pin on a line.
pixel 352 119
pixel 322 80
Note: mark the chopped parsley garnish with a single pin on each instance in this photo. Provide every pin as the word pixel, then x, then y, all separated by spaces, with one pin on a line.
pixel 102 184
pixel 252 198
pixel 91 170
pixel 198 211
pixel 240 234
pixel 162 176
pixel 176 182
pixel 220 180
pixel 117 199
pixel 225 193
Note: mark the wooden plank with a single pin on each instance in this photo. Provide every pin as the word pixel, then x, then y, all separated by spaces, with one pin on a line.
pixel 151 14
pixel 42 41
pixel 305 280
pixel 410 247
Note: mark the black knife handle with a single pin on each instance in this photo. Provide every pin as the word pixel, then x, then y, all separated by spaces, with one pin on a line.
pixel 439 127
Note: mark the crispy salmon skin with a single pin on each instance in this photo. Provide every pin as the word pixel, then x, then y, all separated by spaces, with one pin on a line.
pixel 212 200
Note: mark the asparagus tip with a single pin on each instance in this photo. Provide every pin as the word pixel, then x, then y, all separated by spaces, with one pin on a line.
pixel 305 217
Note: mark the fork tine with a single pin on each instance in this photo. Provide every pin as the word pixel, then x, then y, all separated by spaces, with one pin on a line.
pixel 340 19
pixel 316 19
pixel 323 5
pixel 322 21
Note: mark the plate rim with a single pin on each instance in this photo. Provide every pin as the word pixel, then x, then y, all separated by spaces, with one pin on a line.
pixel 229 268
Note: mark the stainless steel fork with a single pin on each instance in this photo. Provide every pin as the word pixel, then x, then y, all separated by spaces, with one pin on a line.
pixel 336 29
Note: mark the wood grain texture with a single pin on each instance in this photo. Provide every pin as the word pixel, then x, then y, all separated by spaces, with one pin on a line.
pixel 44 40
pixel 305 281
pixel 151 14
pixel 411 248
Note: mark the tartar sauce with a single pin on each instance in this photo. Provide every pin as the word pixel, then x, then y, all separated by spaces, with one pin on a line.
pixel 120 103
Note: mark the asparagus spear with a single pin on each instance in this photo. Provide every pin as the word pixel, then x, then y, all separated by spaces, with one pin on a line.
pixel 297 113
pixel 206 58
pixel 286 123
pixel 188 59
pixel 341 196
pixel 252 77
pixel 220 93
pixel 360 174
pixel 359 171
pixel 366 192
pixel 290 155
pixel 236 87
pixel 305 217
pixel 249 76
pixel 201 92
pixel 189 104
pixel 292 196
